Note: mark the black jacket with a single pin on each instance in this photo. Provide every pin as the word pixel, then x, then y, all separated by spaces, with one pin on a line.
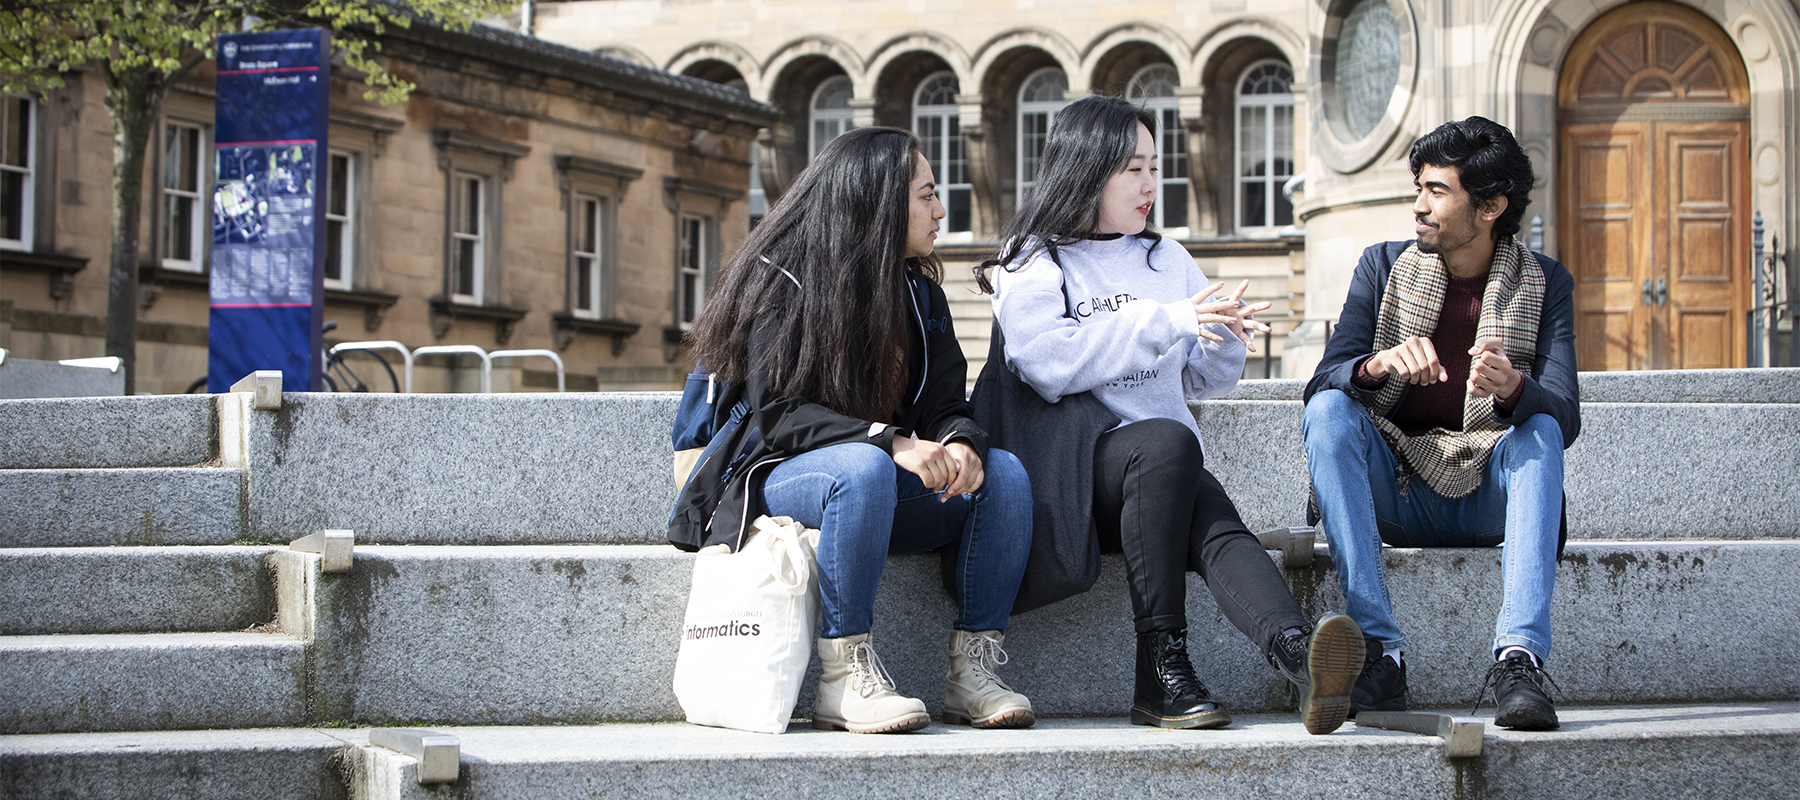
pixel 722 496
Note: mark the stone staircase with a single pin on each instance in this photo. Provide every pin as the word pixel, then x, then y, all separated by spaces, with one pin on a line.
pixel 510 587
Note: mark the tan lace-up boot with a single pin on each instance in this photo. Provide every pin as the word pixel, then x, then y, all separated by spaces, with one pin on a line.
pixel 973 694
pixel 856 694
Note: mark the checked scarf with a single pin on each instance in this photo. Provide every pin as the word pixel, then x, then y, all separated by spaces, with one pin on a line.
pixel 1454 462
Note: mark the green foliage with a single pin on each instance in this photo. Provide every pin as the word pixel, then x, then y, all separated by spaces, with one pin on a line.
pixel 152 43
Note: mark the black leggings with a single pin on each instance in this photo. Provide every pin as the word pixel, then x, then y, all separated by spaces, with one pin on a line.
pixel 1155 501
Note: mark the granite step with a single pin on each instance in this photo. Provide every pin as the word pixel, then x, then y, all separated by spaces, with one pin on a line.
pixel 256 764
pixel 1700 750
pixel 110 507
pixel 534 634
pixel 1624 752
pixel 1638 471
pixel 151 681
pixel 117 432
pixel 397 469
pixel 57 590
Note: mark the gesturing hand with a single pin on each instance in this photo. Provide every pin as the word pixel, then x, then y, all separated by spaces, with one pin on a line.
pixel 1414 359
pixel 1491 373
pixel 1232 312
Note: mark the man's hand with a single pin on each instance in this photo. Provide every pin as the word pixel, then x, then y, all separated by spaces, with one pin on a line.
pixel 1491 373
pixel 1414 359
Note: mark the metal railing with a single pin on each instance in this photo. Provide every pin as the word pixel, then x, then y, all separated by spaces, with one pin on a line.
pixel 1762 323
pixel 487 361
pixel 384 344
pixel 540 353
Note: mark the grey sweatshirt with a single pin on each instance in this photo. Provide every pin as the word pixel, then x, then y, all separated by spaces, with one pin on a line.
pixel 1134 343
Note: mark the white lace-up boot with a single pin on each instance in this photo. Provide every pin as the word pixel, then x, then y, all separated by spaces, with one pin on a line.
pixel 973 694
pixel 856 694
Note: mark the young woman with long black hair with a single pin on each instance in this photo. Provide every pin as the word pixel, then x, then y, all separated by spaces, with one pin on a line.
pixel 1088 299
pixel 829 319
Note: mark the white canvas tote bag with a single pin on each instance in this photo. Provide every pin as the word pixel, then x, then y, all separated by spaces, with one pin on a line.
pixel 749 628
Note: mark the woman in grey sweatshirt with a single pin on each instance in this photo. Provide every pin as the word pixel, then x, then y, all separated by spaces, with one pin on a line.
pixel 1088 300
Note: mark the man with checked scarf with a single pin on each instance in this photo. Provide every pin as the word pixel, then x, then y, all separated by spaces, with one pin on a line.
pixel 1440 411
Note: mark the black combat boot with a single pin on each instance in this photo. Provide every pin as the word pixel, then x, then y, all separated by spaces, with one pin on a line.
pixel 1168 694
pixel 1323 664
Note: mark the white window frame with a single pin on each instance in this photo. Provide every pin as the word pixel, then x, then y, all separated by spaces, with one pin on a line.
pixel 459 196
pixel 690 267
pixel 1153 87
pixel 27 171
pixel 346 220
pixel 1048 109
pixel 199 224
pixel 589 212
pixel 1267 105
pixel 839 120
pixel 950 141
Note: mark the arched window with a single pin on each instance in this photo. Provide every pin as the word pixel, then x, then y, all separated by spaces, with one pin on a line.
pixel 1039 99
pixel 1265 145
pixel 831 114
pixel 1154 88
pixel 936 121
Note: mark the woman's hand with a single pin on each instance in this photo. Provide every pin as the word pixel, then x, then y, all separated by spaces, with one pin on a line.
pixel 969 472
pixel 1232 312
pixel 952 470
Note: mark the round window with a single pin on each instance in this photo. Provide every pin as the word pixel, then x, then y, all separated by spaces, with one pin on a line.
pixel 1368 65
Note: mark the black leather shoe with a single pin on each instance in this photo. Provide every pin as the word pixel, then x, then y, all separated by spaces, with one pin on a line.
pixel 1168 693
pixel 1382 684
pixel 1519 697
pixel 1323 665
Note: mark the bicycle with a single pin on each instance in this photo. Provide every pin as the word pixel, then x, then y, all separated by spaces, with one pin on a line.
pixel 338 374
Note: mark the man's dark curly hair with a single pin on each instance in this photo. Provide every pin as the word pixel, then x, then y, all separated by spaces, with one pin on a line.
pixel 1488 161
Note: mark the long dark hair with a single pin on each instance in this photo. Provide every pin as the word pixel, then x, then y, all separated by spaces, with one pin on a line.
pixel 840 233
pixel 1091 139
pixel 1488 161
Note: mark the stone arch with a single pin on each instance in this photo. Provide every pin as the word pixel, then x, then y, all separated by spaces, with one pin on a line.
pixel 627 53
pixel 1291 44
pixel 948 51
pixel 821 46
pixel 1059 49
pixel 725 53
pixel 1535 40
pixel 1109 45
pixel 789 78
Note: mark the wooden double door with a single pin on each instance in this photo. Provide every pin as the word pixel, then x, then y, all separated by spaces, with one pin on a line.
pixel 1654 191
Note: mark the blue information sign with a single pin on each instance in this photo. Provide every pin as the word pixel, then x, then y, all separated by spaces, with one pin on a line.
pixel 268 231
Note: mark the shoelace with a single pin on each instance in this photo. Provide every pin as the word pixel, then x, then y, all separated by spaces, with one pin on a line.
pixel 1177 671
pixel 1516 669
pixel 987 657
pixel 871 676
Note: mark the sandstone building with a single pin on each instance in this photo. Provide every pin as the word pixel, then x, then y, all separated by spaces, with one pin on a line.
pixel 1658 129
pixel 526 196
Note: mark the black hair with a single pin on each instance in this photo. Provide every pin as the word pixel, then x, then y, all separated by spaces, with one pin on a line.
pixel 1488 161
pixel 828 263
pixel 1091 140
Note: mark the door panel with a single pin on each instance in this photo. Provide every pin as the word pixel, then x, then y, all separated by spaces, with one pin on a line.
pixel 1705 201
pixel 1653 191
pixel 1604 172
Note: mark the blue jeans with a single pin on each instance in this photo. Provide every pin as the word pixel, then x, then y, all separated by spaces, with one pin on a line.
pixel 1361 505
pixel 866 508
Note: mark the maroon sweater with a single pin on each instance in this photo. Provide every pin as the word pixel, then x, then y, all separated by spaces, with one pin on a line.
pixel 1440 405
